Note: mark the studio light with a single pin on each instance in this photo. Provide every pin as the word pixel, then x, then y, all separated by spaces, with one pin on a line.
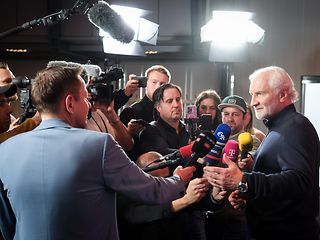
pixel 231 27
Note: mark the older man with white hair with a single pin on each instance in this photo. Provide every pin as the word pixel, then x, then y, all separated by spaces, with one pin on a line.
pixel 281 193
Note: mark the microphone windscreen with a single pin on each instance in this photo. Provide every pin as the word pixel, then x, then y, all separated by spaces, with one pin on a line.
pixel 204 143
pixel 186 151
pixel 57 64
pixel 245 142
pixel 63 64
pixel 232 150
pixel 222 133
pixel 105 18
pixel 92 70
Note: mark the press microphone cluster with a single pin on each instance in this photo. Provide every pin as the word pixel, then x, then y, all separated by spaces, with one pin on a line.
pixel 202 145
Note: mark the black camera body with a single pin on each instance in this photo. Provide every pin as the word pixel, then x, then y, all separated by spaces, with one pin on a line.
pixel 101 88
pixel 29 110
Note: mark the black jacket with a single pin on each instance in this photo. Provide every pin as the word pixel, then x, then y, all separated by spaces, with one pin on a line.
pixel 283 195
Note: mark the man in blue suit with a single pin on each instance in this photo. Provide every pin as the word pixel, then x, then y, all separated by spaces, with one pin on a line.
pixel 59 181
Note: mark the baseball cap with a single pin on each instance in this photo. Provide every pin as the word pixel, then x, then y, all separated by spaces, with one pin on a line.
pixel 233 101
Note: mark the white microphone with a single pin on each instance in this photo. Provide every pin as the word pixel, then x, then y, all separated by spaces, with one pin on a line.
pixel 105 18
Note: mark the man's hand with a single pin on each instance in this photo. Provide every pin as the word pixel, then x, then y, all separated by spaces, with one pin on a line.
pixel 236 200
pixel 131 86
pixel 185 173
pixel 134 128
pixel 246 163
pixel 224 178
pixel 217 195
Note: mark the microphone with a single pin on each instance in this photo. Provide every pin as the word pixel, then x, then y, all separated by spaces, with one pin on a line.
pixel 105 18
pixel 245 144
pixel 92 70
pixel 202 146
pixel 222 133
pixel 232 150
pixel 199 148
pixel 171 158
pixel 182 152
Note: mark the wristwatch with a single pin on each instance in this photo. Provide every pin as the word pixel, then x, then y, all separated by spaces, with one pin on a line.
pixel 243 185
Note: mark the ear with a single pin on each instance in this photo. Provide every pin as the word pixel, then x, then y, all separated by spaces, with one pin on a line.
pixel 69 103
pixel 283 96
pixel 158 107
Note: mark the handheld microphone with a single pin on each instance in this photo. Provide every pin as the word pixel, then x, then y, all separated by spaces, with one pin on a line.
pixel 214 157
pixel 199 148
pixel 105 18
pixel 245 144
pixel 232 150
pixel 202 146
pixel 182 152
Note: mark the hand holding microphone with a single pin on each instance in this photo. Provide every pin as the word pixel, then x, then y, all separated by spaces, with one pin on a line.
pixel 224 178
pixel 245 145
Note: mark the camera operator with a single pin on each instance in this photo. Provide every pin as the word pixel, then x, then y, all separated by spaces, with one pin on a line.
pixel 8 95
pixel 6 77
pixel 120 96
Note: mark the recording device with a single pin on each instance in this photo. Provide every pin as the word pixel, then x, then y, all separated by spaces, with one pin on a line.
pixel 29 110
pixel 214 157
pixel 199 148
pixel 101 88
pixel 191 121
pixel 205 122
pixel 245 144
pixel 105 18
pixel 232 150
pixel 142 81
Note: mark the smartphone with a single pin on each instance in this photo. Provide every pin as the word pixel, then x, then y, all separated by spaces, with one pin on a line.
pixel 142 81
pixel 141 122
pixel 205 122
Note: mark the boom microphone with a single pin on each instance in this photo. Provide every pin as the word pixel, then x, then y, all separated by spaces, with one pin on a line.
pixel 214 157
pixel 232 150
pixel 105 18
pixel 245 144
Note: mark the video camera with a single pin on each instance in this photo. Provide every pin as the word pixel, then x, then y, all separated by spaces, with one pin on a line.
pixel 101 88
pixel 29 110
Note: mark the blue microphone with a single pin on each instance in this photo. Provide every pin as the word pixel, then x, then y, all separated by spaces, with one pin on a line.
pixel 222 134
